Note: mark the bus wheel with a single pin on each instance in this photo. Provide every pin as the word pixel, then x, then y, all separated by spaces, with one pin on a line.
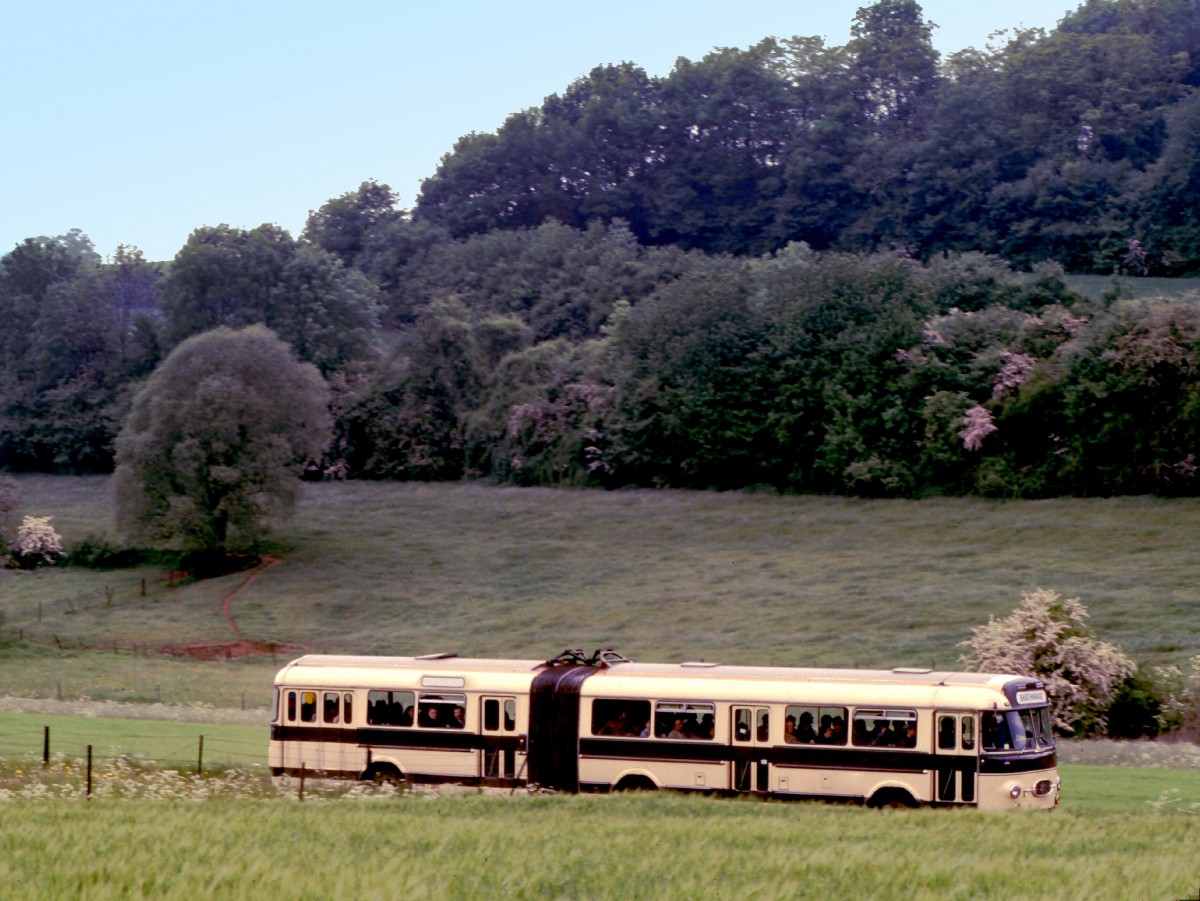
pixel 896 798
pixel 636 784
pixel 385 774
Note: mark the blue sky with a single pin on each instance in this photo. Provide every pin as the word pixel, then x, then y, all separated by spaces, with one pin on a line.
pixel 138 122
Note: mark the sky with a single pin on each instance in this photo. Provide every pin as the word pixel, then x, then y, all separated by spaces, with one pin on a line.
pixel 138 122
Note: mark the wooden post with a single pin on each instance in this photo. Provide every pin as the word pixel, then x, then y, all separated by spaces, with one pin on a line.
pixel 200 758
pixel 89 772
pixel 301 780
pixel 45 746
pixel 143 586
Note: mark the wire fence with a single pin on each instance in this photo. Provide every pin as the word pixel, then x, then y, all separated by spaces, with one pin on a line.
pixel 191 747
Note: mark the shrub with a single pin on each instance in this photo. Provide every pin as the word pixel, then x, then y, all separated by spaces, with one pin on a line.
pixel 1137 709
pixel 37 543
pixel 98 552
pixel 1180 708
pixel 1046 638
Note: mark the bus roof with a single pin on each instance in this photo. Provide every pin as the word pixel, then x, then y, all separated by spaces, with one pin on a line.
pixel 934 686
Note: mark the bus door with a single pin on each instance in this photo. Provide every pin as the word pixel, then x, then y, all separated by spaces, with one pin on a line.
pixel 750 739
pixel 498 716
pixel 301 721
pixel 956 747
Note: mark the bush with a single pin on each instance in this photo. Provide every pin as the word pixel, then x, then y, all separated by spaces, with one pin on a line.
pixel 1137 709
pixel 1046 638
pixel 38 544
pixel 97 552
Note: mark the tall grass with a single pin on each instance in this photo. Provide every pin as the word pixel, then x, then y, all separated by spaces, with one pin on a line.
pixel 418 568
pixel 581 848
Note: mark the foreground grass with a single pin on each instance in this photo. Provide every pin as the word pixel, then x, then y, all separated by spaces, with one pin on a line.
pixel 418 568
pixel 580 847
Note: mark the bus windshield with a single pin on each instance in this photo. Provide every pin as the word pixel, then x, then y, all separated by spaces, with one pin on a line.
pixel 1017 730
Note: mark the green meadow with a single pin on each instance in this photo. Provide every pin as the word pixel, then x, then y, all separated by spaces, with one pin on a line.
pixel 481 570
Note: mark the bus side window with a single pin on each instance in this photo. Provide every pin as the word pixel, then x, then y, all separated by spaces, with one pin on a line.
pixel 491 715
pixel 291 706
pixel 332 707
pixel 308 706
pixel 968 733
pixel 741 726
pixel 510 715
pixel 946 732
pixel 388 708
pixel 764 725
pixel 348 708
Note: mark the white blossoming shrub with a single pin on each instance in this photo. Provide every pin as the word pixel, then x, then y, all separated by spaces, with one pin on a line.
pixel 1046 637
pixel 38 544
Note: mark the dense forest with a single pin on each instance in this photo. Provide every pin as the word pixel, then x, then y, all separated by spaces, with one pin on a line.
pixel 796 267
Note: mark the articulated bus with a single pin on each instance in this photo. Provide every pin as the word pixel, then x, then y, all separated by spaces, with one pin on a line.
pixel 901 737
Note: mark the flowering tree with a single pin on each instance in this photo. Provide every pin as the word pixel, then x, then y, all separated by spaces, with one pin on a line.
pixel 37 543
pixel 1046 637
pixel 977 425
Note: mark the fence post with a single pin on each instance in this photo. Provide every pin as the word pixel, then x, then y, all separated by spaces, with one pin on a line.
pixel 200 758
pixel 89 775
pixel 45 746
pixel 302 771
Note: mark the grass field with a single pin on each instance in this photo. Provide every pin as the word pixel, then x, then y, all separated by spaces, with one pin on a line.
pixel 369 568
pixel 584 848
pixel 418 568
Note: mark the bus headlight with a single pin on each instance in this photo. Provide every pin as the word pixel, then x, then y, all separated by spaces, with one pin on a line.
pixel 1014 792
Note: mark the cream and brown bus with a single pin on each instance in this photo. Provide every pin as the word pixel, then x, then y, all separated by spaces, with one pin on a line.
pixel 603 723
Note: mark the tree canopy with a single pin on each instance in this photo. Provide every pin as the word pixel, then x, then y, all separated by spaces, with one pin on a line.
pixel 211 449
pixel 800 266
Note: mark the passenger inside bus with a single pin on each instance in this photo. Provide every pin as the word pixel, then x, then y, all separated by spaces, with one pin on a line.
pixel 617 725
pixel 805 733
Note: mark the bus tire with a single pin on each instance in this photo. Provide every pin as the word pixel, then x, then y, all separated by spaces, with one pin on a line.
pixel 385 774
pixel 636 784
pixel 896 798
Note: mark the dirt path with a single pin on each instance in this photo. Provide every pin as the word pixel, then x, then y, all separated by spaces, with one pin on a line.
pixel 241 646
pixel 267 561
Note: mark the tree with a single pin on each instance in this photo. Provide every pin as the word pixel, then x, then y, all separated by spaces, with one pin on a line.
pixel 326 312
pixel 10 502
pixel 224 276
pixel 344 226
pixel 209 451
pixel 1046 637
